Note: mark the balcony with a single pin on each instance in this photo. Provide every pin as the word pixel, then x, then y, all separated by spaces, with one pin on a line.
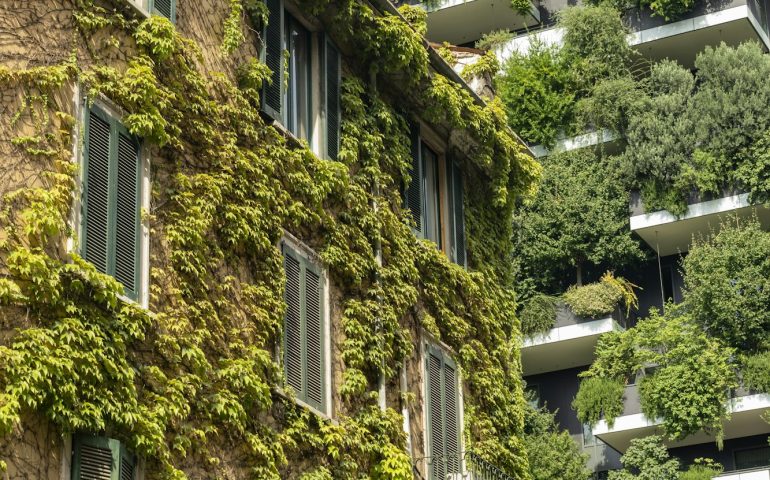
pixel 762 473
pixel 708 23
pixel 570 343
pixel 473 466
pixel 746 411
pixel 608 139
pixel 464 21
pixel 668 234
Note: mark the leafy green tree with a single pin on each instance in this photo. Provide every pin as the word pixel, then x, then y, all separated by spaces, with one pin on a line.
pixel 647 459
pixel 578 219
pixel 727 284
pixel 537 92
pixel 552 453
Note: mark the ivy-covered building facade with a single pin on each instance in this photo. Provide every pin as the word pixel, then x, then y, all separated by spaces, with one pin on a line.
pixel 247 239
pixel 647 118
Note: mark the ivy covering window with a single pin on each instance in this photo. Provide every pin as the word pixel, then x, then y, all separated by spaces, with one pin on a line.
pixel 290 100
pixel 435 195
pixel 99 458
pixel 110 233
pixel 443 414
pixel 304 329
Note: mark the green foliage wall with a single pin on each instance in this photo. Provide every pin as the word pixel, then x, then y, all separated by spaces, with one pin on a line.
pixel 193 380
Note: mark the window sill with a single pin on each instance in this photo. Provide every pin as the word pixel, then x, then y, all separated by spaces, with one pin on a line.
pixel 324 416
pixel 292 140
pixel 138 8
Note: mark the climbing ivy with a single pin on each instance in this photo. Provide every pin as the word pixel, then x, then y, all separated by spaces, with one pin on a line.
pixel 194 376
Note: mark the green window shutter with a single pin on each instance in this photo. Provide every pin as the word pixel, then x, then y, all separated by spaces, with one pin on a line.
pixel 435 417
pixel 272 56
pixel 333 79
pixel 166 8
pixel 96 191
pixel 100 458
pixel 127 218
pixel 314 336
pixel 111 200
pixel 415 197
pixel 292 328
pixel 451 417
pixel 303 337
pixel 458 213
pixel 443 414
pixel 127 464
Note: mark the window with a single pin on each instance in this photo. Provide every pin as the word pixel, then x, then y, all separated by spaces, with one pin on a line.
pixel 435 199
pixel 99 458
pixel 442 414
pixel 164 8
pixel 310 94
pixel 752 457
pixel 305 331
pixel 110 230
pixel 296 116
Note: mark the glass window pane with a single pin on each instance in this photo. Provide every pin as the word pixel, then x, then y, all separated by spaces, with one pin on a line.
pixel 297 98
pixel 752 458
pixel 432 195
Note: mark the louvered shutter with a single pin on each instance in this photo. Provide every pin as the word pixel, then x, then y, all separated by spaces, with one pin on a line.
pixel 272 56
pixel 458 214
pixel 127 218
pixel 292 331
pixel 127 465
pixel 99 458
pixel 96 191
pixel 435 412
pixel 415 198
pixel 333 76
pixel 166 8
pixel 451 417
pixel 314 357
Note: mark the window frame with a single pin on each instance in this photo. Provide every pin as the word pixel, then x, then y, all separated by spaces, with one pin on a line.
pixel 305 255
pixel 111 113
pixel 425 137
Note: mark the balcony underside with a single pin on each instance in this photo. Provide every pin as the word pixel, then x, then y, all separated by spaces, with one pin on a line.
pixel 666 233
pixel 462 21
pixel 684 39
pixel 745 421
pixel 564 347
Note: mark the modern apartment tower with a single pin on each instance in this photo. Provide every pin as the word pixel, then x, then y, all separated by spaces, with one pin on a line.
pixel 551 362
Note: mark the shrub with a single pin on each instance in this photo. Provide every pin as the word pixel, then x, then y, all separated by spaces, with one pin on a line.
pixel 600 298
pixel 538 314
pixel 756 371
pixel 552 453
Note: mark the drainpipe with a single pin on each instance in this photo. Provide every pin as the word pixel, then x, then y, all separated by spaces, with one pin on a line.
pixel 382 390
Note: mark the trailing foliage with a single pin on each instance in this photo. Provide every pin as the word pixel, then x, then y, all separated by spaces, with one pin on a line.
pixel 599 398
pixel 538 314
pixel 688 387
pixel 196 377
